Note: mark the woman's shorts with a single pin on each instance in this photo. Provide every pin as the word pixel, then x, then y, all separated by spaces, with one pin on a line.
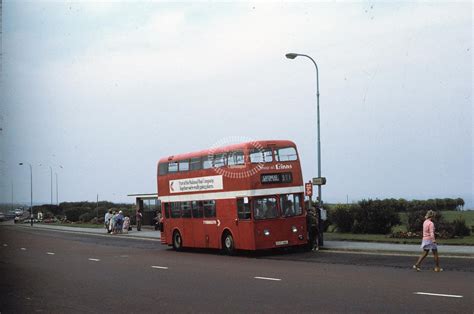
pixel 429 245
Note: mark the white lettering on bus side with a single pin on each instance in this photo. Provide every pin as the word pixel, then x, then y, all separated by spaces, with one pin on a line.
pixel 282 166
pixel 196 184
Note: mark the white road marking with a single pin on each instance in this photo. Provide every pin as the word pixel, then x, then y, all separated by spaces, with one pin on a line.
pixel 50 253
pixel 159 267
pixel 439 295
pixel 94 259
pixel 23 249
pixel 268 278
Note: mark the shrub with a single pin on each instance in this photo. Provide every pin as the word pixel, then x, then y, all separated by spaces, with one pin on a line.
pixel 415 220
pixel 374 218
pixel 460 228
pixel 74 213
pixel 342 216
pixel 86 217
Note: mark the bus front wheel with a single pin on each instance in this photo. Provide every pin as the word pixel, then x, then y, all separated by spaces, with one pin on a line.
pixel 228 244
pixel 177 241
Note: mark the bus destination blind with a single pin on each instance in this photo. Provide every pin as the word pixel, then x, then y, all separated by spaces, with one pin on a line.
pixel 284 177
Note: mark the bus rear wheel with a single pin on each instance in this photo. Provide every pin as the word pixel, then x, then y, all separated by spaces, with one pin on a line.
pixel 177 241
pixel 228 244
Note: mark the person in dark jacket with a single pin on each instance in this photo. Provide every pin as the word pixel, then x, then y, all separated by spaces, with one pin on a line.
pixel 312 227
pixel 139 220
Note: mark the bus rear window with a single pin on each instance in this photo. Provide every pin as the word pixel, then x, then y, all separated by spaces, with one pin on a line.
pixel 286 154
pixel 162 168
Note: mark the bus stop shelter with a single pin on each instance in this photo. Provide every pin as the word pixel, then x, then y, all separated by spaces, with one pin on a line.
pixel 148 204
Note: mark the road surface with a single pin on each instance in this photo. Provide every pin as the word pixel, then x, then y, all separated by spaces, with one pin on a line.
pixel 56 272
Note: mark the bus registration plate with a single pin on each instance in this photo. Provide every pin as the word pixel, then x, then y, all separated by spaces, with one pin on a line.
pixel 281 242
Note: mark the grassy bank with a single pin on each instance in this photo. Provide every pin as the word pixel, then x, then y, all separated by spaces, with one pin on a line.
pixel 77 225
pixel 450 216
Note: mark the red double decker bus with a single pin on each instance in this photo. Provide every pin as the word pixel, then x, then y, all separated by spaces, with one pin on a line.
pixel 246 196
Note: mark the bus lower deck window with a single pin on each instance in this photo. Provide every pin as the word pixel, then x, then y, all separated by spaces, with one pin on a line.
pixel 209 209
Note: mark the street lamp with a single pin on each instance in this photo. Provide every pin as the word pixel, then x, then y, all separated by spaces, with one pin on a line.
pixel 293 56
pixel 57 192
pixel 56 174
pixel 31 191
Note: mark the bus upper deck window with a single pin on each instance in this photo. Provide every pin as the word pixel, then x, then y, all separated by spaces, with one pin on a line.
pixel 286 154
pixel 235 158
pixel 219 160
pixel 195 163
pixel 207 162
pixel 258 156
pixel 173 167
pixel 184 165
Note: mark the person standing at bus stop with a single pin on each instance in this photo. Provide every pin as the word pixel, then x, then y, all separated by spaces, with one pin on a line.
pixel 312 226
pixel 428 242
pixel 139 220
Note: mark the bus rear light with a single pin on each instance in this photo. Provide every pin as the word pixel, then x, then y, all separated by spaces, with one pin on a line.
pixel 266 232
pixel 300 237
pixel 294 229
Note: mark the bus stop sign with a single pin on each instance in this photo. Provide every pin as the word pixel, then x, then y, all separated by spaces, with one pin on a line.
pixel 319 181
pixel 308 189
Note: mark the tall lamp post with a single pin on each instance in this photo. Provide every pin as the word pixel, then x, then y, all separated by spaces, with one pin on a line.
pixel 56 188
pixel 57 191
pixel 51 173
pixel 31 191
pixel 292 56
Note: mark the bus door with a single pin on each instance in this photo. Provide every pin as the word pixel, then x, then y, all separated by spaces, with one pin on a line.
pixel 188 236
pixel 244 235
pixel 210 224
pixel 197 223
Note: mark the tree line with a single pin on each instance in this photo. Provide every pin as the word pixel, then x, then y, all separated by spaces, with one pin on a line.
pixel 83 211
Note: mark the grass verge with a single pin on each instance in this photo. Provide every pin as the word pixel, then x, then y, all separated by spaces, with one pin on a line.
pixel 381 238
pixel 84 225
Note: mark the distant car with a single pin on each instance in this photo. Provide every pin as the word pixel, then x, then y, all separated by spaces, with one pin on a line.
pixel 19 212
pixel 2 217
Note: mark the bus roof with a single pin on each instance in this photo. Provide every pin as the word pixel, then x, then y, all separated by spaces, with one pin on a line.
pixel 223 149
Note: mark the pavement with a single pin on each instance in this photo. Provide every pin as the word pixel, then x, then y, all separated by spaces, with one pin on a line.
pixel 148 233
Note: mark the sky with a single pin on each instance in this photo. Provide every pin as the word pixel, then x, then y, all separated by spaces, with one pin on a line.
pixel 96 93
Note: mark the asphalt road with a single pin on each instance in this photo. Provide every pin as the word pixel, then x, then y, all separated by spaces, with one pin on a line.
pixel 50 271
